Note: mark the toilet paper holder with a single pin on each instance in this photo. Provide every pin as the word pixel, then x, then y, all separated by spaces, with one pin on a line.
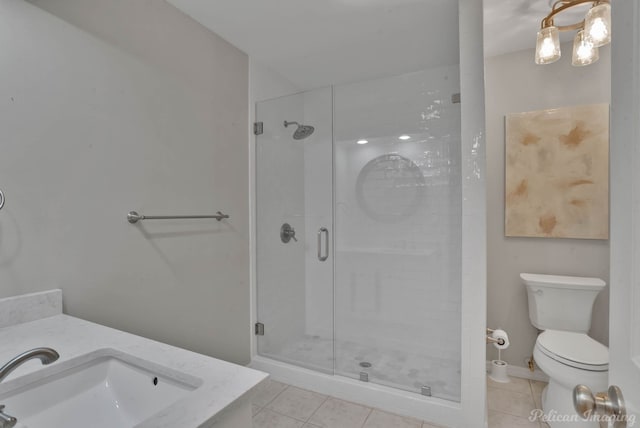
pixel 499 341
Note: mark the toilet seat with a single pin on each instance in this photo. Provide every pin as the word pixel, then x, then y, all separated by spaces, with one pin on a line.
pixel 574 349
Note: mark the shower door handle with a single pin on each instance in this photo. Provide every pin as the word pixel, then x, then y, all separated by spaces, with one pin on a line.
pixel 321 231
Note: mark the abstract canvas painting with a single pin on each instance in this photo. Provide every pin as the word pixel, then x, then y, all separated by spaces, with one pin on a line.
pixel 557 173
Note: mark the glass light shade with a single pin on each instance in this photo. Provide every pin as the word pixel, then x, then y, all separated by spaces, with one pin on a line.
pixel 548 45
pixel 597 24
pixel 584 52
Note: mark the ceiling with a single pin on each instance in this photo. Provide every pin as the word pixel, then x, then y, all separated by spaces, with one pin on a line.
pixel 315 43
pixel 511 26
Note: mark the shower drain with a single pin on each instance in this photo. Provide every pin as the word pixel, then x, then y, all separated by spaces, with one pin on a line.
pixel 365 364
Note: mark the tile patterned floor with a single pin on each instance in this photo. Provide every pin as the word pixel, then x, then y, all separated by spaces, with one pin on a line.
pixel 277 405
pixel 510 404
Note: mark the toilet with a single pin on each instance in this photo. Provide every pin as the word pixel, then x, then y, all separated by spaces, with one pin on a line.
pixel 561 306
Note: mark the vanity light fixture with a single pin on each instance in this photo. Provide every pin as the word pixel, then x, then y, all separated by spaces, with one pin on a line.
pixel 584 51
pixel 594 31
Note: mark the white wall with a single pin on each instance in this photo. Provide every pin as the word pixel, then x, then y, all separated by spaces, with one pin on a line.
pixel 514 83
pixel 123 106
pixel 266 84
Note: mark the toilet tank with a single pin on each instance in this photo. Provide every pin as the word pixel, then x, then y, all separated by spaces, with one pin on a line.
pixel 561 302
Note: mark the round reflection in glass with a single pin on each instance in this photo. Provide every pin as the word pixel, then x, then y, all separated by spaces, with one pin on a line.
pixel 390 188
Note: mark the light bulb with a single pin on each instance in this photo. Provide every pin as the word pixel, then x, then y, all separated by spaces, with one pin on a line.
pixel 597 24
pixel 548 45
pixel 584 52
pixel 362 142
pixel 404 137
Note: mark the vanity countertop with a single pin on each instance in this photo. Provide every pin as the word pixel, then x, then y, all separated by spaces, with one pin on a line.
pixel 222 383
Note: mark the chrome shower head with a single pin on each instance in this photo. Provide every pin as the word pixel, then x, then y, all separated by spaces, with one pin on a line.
pixel 302 132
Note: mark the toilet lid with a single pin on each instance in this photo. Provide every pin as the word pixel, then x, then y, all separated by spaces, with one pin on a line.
pixel 574 349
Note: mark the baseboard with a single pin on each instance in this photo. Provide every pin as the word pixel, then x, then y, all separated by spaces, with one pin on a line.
pixel 523 372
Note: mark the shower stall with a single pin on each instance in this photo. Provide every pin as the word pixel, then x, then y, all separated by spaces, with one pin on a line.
pixel 361 198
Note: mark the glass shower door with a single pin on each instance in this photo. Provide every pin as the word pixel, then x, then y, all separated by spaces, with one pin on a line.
pixel 398 231
pixel 294 230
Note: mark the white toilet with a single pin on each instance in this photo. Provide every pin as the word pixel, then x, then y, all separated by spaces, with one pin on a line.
pixel 562 307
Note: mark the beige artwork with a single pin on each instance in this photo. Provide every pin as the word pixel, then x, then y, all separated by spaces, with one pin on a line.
pixel 557 173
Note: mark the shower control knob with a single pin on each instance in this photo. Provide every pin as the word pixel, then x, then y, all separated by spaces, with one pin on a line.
pixel 287 233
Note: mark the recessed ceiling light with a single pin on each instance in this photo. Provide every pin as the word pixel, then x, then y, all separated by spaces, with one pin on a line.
pixel 362 141
pixel 404 137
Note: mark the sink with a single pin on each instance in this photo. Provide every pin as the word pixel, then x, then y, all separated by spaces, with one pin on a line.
pixel 103 390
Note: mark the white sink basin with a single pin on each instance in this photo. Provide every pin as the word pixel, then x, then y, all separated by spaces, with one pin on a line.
pixel 104 390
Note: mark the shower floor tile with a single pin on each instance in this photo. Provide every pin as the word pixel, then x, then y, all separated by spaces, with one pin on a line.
pixel 390 367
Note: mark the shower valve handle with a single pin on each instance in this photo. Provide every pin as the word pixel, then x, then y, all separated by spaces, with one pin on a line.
pixel 287 233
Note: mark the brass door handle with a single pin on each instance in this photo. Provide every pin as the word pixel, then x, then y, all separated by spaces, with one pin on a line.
pixel 608 404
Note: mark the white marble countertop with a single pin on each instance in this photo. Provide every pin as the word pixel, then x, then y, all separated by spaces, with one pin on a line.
pixel 221 383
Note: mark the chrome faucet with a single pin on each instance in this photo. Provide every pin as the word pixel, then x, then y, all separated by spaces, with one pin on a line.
pixel 6 421
pixel 45 355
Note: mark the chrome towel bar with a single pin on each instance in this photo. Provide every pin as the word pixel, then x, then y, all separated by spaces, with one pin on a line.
pixel 133 217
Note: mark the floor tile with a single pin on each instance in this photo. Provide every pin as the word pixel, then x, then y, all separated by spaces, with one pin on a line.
pixel 380 419
pixel 514 403
pixel 517 384
pixel 335 413
pixel 286 406
pixel 538 386
pixel 536 389
pixel 503 420
pixel 267 391
pixel 269 419
pixel 297 403
pixel 255 409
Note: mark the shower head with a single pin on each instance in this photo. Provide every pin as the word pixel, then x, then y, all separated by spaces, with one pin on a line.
pixel 302 132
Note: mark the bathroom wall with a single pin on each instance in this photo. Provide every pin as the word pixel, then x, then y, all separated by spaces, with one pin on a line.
pixel 114 106
pixel 267 84
pixel 515 84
